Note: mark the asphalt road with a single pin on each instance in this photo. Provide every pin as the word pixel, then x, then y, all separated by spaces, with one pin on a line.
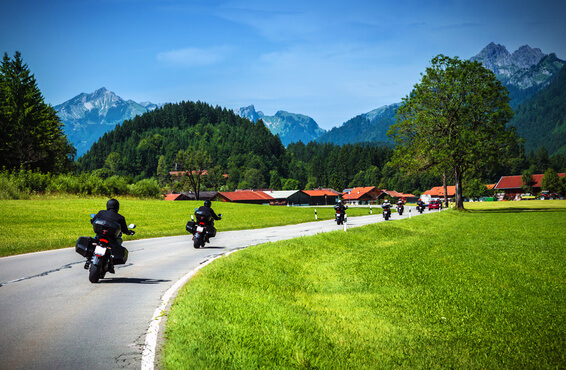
pixel 52 317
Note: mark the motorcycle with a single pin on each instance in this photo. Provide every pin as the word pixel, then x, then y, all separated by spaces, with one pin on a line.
pixel 420 208
pixel 340 216
pixel 201 229
pixel 400 209
pixel 103 251
pixel 386 211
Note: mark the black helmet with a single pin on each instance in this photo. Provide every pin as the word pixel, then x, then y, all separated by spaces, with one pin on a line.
pixel 207 203
pixel 113 204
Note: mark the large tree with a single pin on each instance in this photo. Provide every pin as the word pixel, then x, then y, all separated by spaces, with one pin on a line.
pixel 196 164
pixel 31 133
pixel 454 120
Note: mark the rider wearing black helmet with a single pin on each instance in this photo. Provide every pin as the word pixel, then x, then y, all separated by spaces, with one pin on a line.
pixel 111 214
pixel 212 215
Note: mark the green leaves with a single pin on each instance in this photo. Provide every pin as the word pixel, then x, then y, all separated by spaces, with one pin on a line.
pixel 453 120
pixel 34 136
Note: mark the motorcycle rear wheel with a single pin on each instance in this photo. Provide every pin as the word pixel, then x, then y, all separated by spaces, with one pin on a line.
pixel 94 273
pixel 196 243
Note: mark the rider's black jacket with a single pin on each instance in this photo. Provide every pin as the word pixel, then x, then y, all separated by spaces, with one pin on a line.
pixel 112 215
pixel 209 211
pixel 340 207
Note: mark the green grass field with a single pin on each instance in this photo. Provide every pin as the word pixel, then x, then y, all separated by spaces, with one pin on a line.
pixel 44 223
pixel 484 288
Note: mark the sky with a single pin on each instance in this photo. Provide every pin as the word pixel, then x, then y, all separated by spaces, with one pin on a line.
pixel 327 59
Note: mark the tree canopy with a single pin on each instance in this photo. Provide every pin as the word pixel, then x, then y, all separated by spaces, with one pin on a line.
pixel 454 120
pixel 31 133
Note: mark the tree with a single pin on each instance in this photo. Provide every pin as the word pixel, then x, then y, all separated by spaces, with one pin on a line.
pixel 31 132
pixel 551 181
pixel 162 171
pixel 527 182
pixel 453 120
pixel 195 163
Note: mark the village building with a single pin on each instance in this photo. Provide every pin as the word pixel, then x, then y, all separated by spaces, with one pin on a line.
pixel 410 198
pixel 288 197
pixel 438 193
pixel 245 196
pixel 322 196
pixel 361 195
pixel 509 187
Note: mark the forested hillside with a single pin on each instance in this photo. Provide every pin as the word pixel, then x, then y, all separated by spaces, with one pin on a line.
pixel 233 143
pixel 541 120
pixel 148 146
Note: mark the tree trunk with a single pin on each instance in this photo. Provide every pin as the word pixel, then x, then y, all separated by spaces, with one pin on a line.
pixel 458 196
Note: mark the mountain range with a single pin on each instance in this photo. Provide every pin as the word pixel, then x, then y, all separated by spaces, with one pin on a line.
pixel 88 116
pixel 290 127
pixel 525 72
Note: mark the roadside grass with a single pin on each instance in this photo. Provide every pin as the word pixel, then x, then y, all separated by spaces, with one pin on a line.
pixel 485 288
pixel 51 222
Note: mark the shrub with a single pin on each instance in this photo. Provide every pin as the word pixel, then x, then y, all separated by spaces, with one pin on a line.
pixel 146 188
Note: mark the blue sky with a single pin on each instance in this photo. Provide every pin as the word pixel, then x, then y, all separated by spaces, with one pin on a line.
pixel 330 60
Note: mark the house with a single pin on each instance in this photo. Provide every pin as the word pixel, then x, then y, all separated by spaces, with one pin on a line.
pixel 288 197
pixel 322 196
pixel 203 195
pixel 245 196
pixel 394 194
pixel 175 196
pixel 510 186
pixel 438 192
pixel 361 195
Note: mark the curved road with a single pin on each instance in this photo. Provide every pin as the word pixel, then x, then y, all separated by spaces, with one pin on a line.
pixel 52 317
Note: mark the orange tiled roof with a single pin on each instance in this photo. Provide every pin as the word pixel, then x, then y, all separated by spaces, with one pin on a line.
pixel 438 191
pixel 245 195
pixel 357 193
pixel 321 193
pixel 172 196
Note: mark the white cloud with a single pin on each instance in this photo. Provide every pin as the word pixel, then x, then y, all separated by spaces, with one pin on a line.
pixel 194 57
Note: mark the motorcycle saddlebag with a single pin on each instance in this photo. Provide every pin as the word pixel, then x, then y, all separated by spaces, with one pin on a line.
pixel 85 246
pixel 211 232
pixel 119 255
pixel 106 228
pixel 191 227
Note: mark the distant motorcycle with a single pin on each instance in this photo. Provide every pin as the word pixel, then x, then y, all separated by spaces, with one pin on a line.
pixel 420 207
pixel 103 251
pixel 201 229
pixel 386 211
pixel 340 215
pixel 400 209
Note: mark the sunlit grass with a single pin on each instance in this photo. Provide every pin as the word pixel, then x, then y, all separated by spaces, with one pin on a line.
pixel 479 289
pixel 44 223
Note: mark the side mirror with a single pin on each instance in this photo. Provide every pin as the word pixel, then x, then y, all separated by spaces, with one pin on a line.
pixel 132 226
pixel 220 215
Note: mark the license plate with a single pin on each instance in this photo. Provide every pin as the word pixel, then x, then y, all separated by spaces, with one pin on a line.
pixel 99 250
pixel 200 229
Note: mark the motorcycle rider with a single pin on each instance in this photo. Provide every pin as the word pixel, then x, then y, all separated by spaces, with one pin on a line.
pixel 111 214
pixel 340 208
pixel 211 216
pixel 420 203
pixel 386 206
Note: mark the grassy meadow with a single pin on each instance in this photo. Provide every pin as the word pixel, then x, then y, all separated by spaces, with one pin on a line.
pixel 485 288
pixel 50 222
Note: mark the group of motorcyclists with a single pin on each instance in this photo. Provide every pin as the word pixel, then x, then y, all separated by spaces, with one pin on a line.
pixel 112 207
